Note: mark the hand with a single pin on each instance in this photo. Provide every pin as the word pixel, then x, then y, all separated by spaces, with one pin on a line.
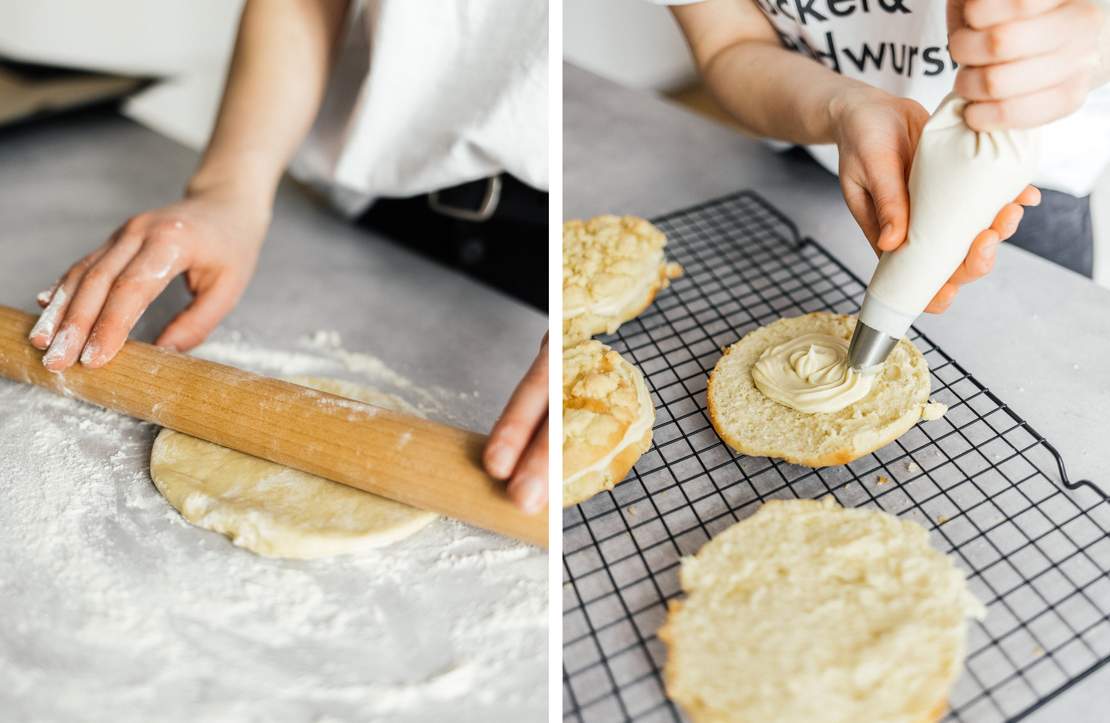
pixel 877 134
pixel 517 446
pixel 1024 63
pixel 213 239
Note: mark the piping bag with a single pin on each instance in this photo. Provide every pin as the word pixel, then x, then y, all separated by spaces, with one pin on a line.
pixel 959 181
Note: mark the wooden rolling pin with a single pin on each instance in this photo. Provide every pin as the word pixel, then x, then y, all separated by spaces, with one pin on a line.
pixel 421 463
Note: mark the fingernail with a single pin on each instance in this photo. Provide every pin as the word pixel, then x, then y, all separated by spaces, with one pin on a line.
pixel 48 319
pixel 44 296
pixel 59 348
pixel 500 460
pixel 90 352
pixel 169 347
pixel 529 494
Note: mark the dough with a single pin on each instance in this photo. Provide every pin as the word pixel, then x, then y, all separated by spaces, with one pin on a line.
pixel 807 611
pixel 274 510
pixel 607 418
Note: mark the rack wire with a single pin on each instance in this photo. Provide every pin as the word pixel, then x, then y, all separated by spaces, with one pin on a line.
pixel 991 490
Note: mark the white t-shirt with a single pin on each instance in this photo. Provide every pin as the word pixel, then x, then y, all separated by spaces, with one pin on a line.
pixel 430 94
pixel 901 46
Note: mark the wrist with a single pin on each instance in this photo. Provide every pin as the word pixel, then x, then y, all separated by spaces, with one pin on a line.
pixel 240 180
pixel 845 99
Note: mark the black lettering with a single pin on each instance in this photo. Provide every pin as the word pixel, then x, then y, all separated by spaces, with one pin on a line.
pixel 829 57
pixel 782 6
pixel 936 65
pixel 848 10
pixel 913 52
pixel 866 54
pixel 805 9
pixel 894 5
pixel 898 68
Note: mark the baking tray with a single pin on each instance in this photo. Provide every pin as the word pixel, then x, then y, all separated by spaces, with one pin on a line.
pixel 992 491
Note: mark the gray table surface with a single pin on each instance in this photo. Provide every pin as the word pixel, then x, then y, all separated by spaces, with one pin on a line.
pixel 1034 333
pixel 65 184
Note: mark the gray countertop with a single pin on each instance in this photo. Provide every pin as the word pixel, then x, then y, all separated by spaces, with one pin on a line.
pixel 1035 334
pixel 445 614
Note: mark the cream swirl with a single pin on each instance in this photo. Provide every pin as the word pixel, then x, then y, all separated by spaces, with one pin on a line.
pixel 810 374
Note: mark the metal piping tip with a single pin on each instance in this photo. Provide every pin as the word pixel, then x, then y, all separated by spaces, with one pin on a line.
pixel 869 348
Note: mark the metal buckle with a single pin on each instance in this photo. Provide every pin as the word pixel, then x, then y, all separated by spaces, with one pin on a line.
pixel 485 209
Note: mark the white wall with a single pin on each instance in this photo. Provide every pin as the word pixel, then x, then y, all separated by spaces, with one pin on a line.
pixel 188 41
pixel 632 42
pixel 161 37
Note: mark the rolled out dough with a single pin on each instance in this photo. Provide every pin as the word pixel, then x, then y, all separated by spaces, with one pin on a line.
pixel 274 510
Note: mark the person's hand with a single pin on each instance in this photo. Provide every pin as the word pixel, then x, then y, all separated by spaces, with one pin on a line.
pixel 213 238
pixel 1024 63
pixel 517 446
pixel 877 134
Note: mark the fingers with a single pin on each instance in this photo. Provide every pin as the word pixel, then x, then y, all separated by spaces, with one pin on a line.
pixel 891 198
pixel 1031 196
pixel 863 211
pixel 1029 111
pixel 528 486
pixel 979 260
pixel 43 298
pixel 526 410
pixel 1021 38
pixel 132 290
pixel 943 299
pixel 1020 77
pixel 46 328
pixel 984 248
pixel 980 14
pixel 1007 221
pixel 214 300
pixel 87 302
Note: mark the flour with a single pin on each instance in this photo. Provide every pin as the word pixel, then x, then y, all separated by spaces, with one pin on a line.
pixel 115 608
pixel 48 320
pixel 329 342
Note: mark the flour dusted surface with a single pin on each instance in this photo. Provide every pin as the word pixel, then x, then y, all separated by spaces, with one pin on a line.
pixel 116 608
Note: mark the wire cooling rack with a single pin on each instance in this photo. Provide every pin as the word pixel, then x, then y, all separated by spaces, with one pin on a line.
pixel 992 491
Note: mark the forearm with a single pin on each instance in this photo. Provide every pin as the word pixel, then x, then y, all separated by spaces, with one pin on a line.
pixel 275 85
pixel 771 91
pixel 775 93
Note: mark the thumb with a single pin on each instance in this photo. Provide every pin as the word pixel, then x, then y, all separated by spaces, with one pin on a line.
pixel 891 198
pixel 198 319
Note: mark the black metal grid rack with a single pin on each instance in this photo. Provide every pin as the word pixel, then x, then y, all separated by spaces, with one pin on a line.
pixel 992 491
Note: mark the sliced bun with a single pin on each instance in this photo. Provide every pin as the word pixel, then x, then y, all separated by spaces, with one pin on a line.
pixel 607 420
pixel 753 424
pixel 612 268
pixel 809 612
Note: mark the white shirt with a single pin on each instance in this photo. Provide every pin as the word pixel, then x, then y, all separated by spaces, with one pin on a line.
pixel 428 94
pixel 901 46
